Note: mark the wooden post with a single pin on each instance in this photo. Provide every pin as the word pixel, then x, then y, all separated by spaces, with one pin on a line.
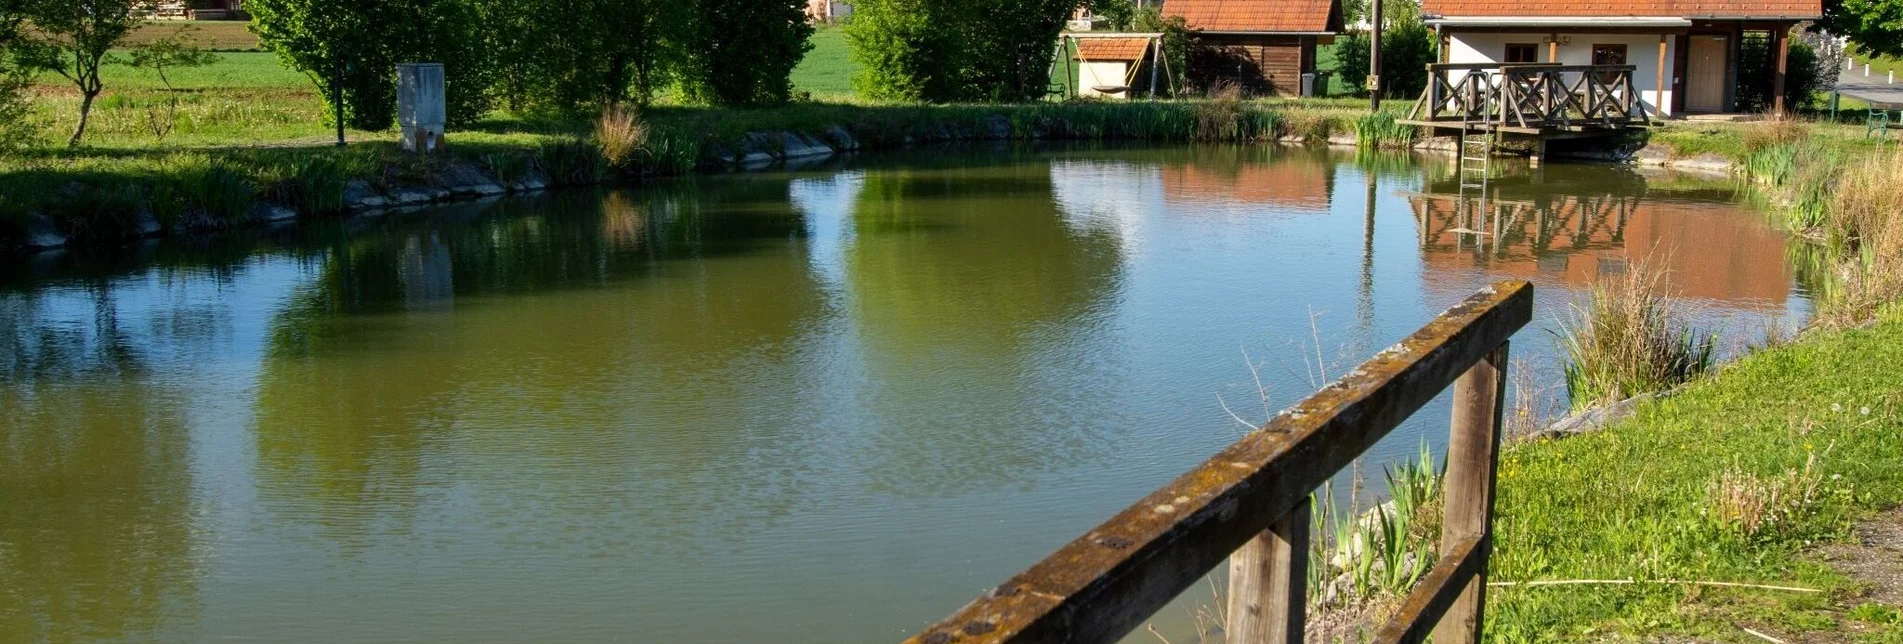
pixel 1268 583
pixel 1156 60
pixel 1472 453
pixel 1782 41
pixel 1658 98
pixel 1552 49
pixel 1374 60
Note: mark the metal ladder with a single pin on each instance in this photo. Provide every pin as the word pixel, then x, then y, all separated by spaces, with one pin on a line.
pixel 1476 169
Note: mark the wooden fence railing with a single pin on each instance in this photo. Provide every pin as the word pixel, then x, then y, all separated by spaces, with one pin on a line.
pixel 1250 504
pixel 1530 95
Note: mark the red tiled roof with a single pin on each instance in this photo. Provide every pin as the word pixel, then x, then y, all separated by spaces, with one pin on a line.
pixel 1263 16
pixel 1624 8
pixel 1112 48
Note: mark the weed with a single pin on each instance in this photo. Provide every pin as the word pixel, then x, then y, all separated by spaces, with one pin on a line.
pixel 1381 130
pixel 570 161
pixel 1753 505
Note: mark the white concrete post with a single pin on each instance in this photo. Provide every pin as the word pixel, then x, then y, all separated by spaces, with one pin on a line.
pixel 419 105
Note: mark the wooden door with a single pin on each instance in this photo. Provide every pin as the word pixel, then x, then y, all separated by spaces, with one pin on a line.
pixel 1705 74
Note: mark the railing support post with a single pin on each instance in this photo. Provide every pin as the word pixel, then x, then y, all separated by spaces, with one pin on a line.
pixel 1268 583
pixel 1472 453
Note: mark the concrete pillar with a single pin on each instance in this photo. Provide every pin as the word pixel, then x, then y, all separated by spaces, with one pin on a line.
pixel 419 105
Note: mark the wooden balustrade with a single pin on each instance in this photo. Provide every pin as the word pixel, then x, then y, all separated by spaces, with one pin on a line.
pixel 1250 504
pixel 1529 97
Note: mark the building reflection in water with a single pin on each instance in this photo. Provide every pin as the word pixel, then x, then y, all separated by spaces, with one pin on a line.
pixel 1562 226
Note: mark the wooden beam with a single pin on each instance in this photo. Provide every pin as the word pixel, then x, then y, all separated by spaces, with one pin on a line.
pixel 1782 41
pixel 1436 592
pixel 1105 583
pixel 1658 98
pixel 1552 49
pixel 1473 451
pixel 1268 584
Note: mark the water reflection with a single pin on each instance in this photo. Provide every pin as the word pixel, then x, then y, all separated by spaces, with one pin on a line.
pixel 1556 227
pixel 96 515
pixel 654 410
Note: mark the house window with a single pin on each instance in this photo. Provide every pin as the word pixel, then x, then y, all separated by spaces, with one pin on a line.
pixel 1608 55
pixel 1522 53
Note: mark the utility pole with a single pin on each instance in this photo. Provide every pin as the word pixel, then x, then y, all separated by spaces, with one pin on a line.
pixel 1374 59
pixel 337 100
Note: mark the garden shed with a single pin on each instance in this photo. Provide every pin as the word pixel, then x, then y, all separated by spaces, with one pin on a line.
pixel 1264 47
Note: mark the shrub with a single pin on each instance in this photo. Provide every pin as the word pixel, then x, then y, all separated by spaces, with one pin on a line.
pixel 1627 341
pixel 620 134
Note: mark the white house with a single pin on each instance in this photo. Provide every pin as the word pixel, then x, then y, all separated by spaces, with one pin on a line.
pixel 1685 51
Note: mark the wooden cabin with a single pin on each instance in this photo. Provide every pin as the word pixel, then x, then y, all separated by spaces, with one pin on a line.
pixel 1264 47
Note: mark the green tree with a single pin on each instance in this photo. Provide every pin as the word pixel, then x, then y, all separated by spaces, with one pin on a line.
pixel 956 50
pixel 1121 14
pixel 743 51
pixel 75 38
pixel 15 130
pixel 342 46
pixel 1875 25
pixel 1407 46
pixel 904 51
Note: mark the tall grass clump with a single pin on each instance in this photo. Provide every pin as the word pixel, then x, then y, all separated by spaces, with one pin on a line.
pixel 307 183
pixel 620 134
pixel 199 192
pixel 1864 233
pixel 571 161
pixel 1219 117
pixel 1381 130
pixel 1628 341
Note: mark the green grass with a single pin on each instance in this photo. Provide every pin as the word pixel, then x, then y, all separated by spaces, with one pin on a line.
pixel 1635 500
pixel 826 71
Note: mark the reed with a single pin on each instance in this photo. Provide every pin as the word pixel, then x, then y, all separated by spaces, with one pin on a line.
pixel 1381 130
pixel 1627 340
pixel 619 135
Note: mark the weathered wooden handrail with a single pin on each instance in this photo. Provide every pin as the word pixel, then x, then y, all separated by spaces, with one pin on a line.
pixel 1251 500
pixel 1529 96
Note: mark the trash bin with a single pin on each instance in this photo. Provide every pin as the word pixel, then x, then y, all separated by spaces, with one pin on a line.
pixel 1308 84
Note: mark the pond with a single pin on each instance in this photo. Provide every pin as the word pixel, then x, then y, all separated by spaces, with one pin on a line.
pixel 819 405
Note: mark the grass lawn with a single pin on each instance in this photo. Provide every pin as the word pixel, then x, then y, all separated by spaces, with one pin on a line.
pixel 218 35
pixel 827 70
pixel 1813 429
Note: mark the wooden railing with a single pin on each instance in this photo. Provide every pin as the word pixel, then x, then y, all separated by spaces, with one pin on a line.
pixel 1530 96
pixel 1250 504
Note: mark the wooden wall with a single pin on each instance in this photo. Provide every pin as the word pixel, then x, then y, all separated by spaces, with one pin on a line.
pixel 1262 64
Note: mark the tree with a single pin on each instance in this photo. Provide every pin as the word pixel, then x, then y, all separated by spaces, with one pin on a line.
pixel 956 50
pixel 1407 46
pixel 75 38
pixel 743 51
pixel 342 46
pixel 169 52
pixel 15 131
pixel 1875 25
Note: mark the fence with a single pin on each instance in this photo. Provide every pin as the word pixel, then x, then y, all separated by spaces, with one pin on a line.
pixel 1530 96
pixel 1250 504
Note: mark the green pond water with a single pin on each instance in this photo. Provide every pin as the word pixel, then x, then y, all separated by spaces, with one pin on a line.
pixel 820 405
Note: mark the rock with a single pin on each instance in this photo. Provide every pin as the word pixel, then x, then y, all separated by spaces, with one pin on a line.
pixel 462 179
pixel 1343 140
pixel 358 195
pixel 531 181
pixel 42 233
pixel 842 139
pixel 1594 419
pixel 998 127
pixel 798 146
pixel 1439 143
pixel 148 223
pixel 414 195
pixel 1653 154
pixel 267 213
pixel 1292 139
pixel 1706 161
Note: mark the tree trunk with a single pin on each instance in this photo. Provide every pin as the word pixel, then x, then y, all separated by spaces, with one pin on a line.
pixel 85 112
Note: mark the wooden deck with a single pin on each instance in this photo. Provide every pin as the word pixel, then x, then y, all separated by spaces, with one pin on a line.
pixel 1537 99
